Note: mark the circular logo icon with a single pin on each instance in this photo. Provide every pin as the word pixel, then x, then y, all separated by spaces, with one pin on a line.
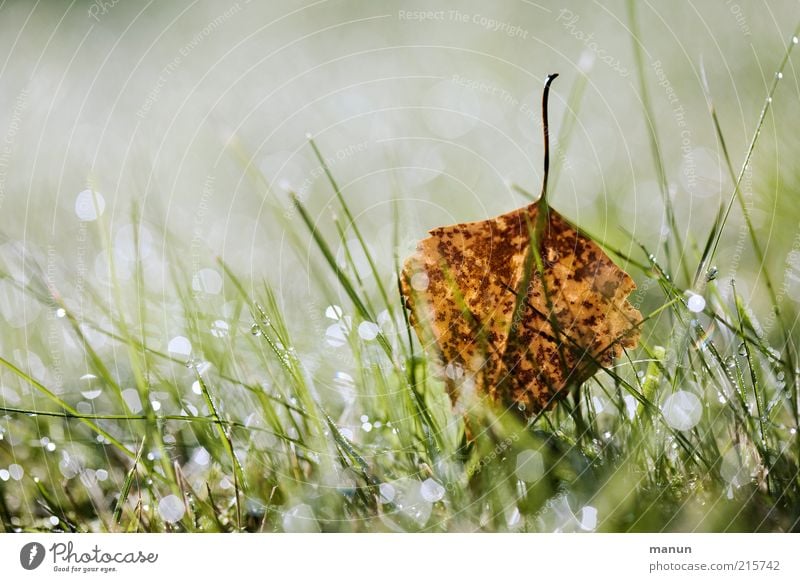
pixel 31 555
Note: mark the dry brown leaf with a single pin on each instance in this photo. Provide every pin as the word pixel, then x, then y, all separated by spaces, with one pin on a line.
pixel 522 320
pixel 461 287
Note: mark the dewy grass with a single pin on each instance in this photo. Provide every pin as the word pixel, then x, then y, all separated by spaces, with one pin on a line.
pixel 697 430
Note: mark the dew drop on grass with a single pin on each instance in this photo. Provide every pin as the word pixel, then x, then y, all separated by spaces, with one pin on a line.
pixel 16 472
pixel 91 386
pixel 196 388
pixel 742 350
pixel 335 335
pixel 387 492
pixel 696 303
pixel 207 281
pixel 431 490
pixel 171 508
pixel 69 466
pixel 101 474
pixel 334 312
pixel 794 40
pixel 4 475
pixel 366 427
pixel 368 331
pixel 156 405
pixel 54 520
pixel 682 410
pixel 255 330
pixel 60 312
pixel 179 346
pixel 300 519
pixel 89 205
pixel 220 328
pixel 588 520
pixel 132 400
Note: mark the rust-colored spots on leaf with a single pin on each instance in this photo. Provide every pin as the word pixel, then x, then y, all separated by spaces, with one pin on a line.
pixel 521 321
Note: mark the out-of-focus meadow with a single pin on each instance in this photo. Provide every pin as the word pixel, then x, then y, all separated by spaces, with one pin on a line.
pixel 179 352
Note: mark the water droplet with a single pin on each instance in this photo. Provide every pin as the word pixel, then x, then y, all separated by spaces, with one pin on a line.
pixel 794 40
pixel 207 281
pixel 454 371
pixel 16 472
pixel 386 323
pixel 696 303
pixel 420 281
pixel 387 492
pixel 171 508
pixel 220 328
pixel 89 205
pixel 682 410
pixel 179 347
pixel 255 330
pixel 61 312
pixel 368 331
pixel 4 476
pixel 51 447
pixel 712 273
pixel 779 75
pixel 334 312
pixel 101 474
pixel 742 349
pixel 530 466
pixel 156 405
pixel 364 418
pixel 132 400
pixel 366 427
pixel 431 490
pixel 91 386
pixel 300 519
pixel 69 466
pixel 521 406
pixel 336 334
pixel 588 521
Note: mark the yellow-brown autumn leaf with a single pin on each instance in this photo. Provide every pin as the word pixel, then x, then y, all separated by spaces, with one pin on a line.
pixel 462 287
pixel 523 305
